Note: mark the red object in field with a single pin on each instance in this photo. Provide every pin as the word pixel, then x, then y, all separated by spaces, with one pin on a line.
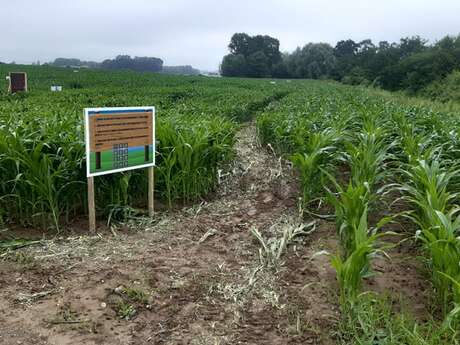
pixel 18 82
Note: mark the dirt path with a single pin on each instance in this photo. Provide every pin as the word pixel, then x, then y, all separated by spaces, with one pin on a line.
pixel 194 276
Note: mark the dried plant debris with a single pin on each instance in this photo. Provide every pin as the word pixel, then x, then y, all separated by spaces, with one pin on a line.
pixel 67 316
pixel 127 302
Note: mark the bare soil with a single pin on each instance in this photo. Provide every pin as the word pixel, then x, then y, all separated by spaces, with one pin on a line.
pixel 192 276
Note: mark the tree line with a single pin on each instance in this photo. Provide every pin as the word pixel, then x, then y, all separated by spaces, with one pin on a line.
pixel 72 62
pixel 180 70
pixel 410 64
pixel 139 64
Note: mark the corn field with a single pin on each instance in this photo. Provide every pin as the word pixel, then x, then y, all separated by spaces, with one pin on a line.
pixel 367 159
pixel 361 154
pixel 42 156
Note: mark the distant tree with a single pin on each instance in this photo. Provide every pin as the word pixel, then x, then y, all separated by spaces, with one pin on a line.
pixel 391 77
pixel 386 54
pixel 233 66
pixel 446 89
pixel 280 70
pixel 120 62
pixel 346 48
pixel 258 65
pixel 356 76
pixel 366 46
pixel 251 56
pixel 313 61
pixel 345 53
pixel 69 62
pixel 139 64
pixel 269 46
pixel 147 64
pixel 66 62
pixel 450 45
pixel 447 43
pixel 411 45
pixel 240 44
pixel 426 67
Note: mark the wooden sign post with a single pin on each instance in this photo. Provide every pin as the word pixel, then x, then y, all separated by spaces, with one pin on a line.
pixel 91 205
pixel 151 190
pixel 119 139
pixel 17 82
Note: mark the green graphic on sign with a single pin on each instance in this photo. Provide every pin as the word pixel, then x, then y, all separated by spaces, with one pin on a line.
pixel 119 139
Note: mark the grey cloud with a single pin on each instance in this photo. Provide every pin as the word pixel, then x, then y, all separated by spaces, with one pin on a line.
pixel 197 32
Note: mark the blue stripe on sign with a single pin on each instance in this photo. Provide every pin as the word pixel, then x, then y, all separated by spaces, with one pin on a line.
pixel 119 111
pixel 138 148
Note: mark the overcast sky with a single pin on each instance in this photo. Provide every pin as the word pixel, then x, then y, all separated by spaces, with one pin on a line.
pixel 197 32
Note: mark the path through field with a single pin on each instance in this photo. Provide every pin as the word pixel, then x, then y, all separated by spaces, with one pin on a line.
pixel 194 276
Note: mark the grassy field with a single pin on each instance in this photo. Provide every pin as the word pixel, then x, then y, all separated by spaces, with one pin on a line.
pixel 273 170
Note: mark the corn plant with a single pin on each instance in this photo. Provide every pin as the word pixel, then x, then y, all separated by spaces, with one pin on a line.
pixel 427 190
pixel 442 243
pixel 452 319
pixel 318 153
pixel 350 204
pixel 437 218
pixel 368 158
pixel 416 146
pixel 189 159
pixel 353 267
